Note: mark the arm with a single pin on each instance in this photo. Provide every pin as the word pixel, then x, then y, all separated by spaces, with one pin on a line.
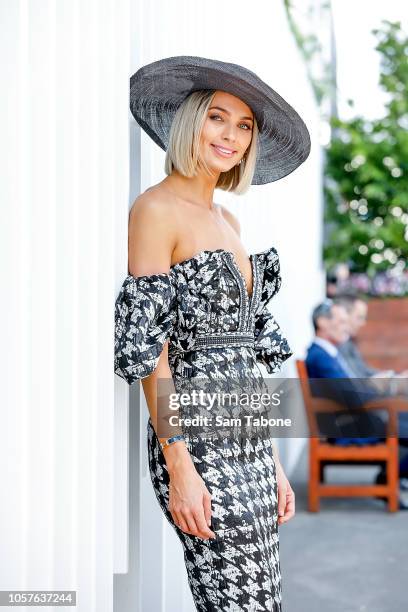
pixel 366 369
pixel 328 379
pixel 152 238
pixel 150 245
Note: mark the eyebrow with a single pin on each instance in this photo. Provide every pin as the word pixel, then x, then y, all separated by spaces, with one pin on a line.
pixel 228 113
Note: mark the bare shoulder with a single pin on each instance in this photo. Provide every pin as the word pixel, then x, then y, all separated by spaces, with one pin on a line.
pixel 230 218
pixel 152 234
pixel 151 205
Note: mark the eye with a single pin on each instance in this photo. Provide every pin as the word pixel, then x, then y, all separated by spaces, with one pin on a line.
pixel 246 126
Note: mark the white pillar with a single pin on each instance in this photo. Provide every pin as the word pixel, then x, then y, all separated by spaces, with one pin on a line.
pixel 64 162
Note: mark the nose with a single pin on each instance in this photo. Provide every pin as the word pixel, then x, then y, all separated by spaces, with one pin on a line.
pixel 229 132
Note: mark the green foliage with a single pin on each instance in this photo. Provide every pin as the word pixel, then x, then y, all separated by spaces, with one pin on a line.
pixel 366 173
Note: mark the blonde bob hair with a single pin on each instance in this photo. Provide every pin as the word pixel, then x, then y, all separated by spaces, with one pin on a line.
pixel 183 151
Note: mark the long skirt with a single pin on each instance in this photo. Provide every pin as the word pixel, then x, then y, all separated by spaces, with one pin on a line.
pixel 239 570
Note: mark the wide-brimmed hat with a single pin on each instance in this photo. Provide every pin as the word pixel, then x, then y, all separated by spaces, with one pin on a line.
pixel 158 89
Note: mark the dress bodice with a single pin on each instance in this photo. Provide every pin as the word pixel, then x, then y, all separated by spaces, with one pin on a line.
pixel 202 303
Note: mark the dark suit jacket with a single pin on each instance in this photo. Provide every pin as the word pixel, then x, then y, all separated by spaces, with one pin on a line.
pixel 352 355
pixel 328 379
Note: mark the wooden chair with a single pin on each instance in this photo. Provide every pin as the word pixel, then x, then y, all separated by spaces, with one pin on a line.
pixel 322 453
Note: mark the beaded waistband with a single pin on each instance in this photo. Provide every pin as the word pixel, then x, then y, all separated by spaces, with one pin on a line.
pixel 204 341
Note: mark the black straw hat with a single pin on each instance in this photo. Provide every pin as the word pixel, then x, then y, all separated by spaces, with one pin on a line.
pixel 158 89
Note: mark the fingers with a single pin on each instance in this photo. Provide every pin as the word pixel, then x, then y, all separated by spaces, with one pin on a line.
pixel 197 516
pixel 203 517
pixel 203 530
pixel 289 510
pixel 207 508
pixel 195 521
pixel 179 521
pixel 281 499
pixel 191 523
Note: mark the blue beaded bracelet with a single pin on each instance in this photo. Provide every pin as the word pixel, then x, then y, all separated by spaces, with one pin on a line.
pixel 171 440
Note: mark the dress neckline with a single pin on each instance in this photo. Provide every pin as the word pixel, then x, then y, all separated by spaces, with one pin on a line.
pixel 252 257
pixel 231 255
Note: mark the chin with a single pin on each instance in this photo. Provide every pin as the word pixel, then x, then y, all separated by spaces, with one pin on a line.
pixel 220 167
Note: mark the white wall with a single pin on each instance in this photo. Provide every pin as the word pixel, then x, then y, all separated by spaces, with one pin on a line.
pixel 64 162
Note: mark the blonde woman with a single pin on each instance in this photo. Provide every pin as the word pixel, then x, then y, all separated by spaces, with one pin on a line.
pixel 196 307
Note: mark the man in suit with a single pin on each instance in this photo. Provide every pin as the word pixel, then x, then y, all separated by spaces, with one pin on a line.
pixel 386 381
pixel 331 376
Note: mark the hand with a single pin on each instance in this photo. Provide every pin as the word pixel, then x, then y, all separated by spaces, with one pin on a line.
pixel 286 496
pixel 380 384
pixel 190 501
pixel 383 374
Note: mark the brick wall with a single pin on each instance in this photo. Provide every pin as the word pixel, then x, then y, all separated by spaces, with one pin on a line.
pixel 384 339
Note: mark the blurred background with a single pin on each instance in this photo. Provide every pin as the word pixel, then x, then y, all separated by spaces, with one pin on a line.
pixel 350 555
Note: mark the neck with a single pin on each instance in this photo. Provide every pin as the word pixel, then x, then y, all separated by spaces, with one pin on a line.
pixel 198 189
pixel 324 336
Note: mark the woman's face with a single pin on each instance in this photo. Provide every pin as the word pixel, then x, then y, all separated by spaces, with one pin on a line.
pixel 227 132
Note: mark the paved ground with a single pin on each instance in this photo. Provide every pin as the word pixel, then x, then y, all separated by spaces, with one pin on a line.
pixel 352 556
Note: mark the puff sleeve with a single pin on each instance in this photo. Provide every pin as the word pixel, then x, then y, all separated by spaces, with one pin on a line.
pixel 145 314
pixel 271 347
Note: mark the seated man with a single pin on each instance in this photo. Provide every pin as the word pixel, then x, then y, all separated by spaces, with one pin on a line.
pixel 325 362
pixel 386 381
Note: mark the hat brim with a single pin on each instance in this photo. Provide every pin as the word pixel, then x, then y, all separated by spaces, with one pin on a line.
pixel 158 89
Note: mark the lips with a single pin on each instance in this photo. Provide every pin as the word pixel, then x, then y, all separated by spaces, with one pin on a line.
pixel 223 151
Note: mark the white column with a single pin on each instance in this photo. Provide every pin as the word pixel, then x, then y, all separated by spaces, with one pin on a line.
pixel 64 161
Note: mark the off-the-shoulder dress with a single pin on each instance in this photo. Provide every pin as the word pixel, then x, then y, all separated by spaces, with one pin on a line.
pixel 217 331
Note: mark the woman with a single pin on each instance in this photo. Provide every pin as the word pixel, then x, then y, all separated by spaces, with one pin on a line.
pixel 195 309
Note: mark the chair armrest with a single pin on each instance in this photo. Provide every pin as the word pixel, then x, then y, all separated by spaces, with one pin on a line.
pixel 322 404
pixel 398 403
pixel 393 405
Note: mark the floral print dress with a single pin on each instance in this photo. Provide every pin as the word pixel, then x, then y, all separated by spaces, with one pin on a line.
pixel 217 333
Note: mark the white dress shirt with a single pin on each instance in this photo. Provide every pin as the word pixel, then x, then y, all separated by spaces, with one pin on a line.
pixel 327 346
